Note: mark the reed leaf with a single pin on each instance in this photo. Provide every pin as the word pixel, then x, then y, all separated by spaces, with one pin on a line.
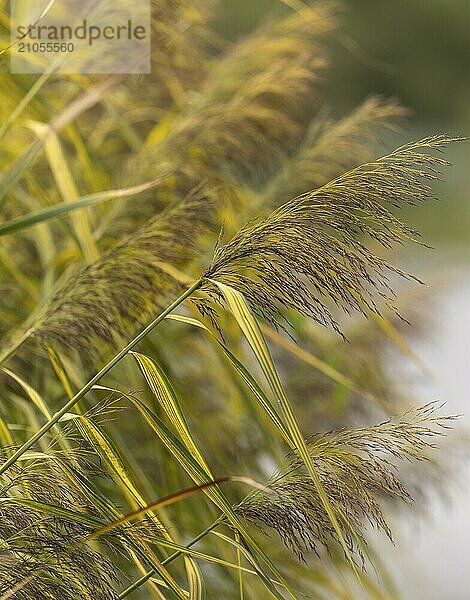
pixel 246 376
pixel 195 464
pixel 296 440
pixel 52 212
pixel 67 187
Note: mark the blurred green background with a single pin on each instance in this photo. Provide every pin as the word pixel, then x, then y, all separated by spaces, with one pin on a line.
pixel 415 50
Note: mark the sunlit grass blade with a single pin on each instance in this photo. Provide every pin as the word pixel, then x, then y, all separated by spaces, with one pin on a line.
pixel 34 89
pixel 240 572
pixel 247 377
pixel 11 177
pixel 39 403
pixel 67 187
pixel 197 588
pixel 196 469
pixel 252 331
pixel 57 210
pixel 34 396
pixel 89 98
pixel 6 437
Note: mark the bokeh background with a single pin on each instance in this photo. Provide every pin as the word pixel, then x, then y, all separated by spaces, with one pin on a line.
pixel 417 51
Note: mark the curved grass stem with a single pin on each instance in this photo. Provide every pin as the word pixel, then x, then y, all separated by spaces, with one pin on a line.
pixel 87 387
pixel 171 558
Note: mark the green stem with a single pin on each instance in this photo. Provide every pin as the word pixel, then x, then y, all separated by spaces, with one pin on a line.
pixel 24 102
pixel 175 555
pixel 87 387
pixel 14 346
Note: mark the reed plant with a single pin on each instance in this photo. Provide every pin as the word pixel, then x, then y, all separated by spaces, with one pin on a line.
pixel 199 280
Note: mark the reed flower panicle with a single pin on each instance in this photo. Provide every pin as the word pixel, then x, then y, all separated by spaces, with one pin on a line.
pixel 359 469
pixel 312 249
